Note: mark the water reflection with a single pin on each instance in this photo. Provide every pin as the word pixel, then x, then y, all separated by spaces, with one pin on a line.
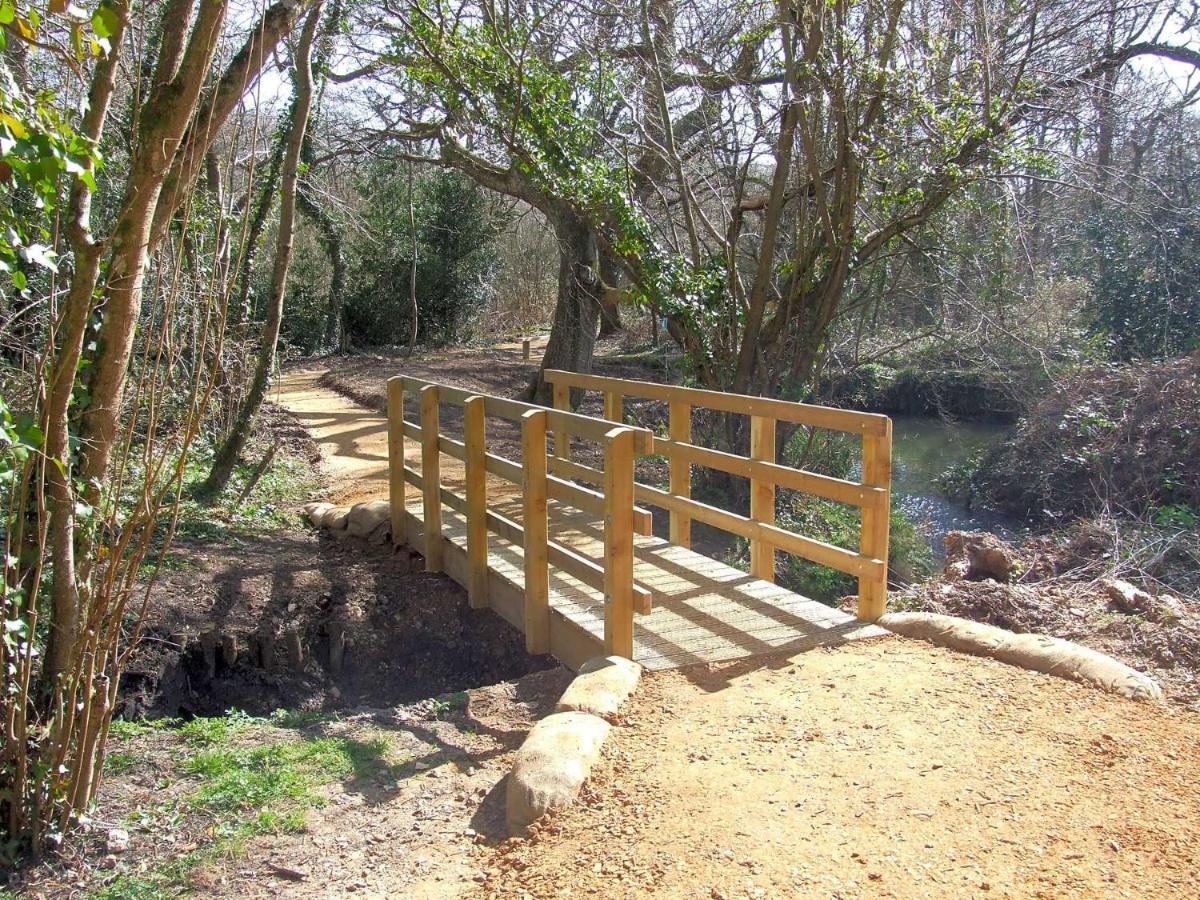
pixel 922 449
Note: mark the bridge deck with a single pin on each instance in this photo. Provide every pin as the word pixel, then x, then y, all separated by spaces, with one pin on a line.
pixel 703 610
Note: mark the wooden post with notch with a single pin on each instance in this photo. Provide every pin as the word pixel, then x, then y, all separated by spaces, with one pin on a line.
pixel 396 483
pixel 873 542
pixel 680 431
pixel 475 442
pixel 562 438
pixel 618 542
pixel 537 573
pixel 762 497
pixel 431 477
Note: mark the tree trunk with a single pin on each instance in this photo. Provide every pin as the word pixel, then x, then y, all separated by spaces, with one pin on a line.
pixel 227 454
pixel 611 278
pixel 413 307
pixel 241 309
pixel 577 312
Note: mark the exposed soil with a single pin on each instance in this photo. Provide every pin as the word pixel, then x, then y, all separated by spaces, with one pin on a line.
pixel 299 620
pixel 411 823
pixel 420 830
pixel 1059 588
pixel 286 604
pixel 886 768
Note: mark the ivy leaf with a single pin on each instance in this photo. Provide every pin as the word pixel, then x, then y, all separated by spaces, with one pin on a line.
pixel 105 21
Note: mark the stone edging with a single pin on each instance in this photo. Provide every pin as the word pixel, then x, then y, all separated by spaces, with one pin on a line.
pixel 558 754
pixel 1037 652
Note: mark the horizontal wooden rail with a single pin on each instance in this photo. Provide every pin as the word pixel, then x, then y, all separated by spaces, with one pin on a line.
pixel 817 551
pixel 872 495
pixel 852 493
pixel 744 404
pixel 613 503
pixel 564 491
pixel 579 425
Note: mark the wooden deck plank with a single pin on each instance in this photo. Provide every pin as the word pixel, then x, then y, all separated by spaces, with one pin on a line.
pixel 704 611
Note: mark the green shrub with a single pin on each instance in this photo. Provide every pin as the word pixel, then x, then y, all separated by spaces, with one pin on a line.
pixel 835 523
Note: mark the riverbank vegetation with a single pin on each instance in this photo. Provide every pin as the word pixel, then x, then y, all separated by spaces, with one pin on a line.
pixel 910 206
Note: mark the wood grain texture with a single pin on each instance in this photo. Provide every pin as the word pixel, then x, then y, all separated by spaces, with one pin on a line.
pixel 876 521
pixel 396 486
pixel 679 427
pixel 536 558
pixel 475 459
pixel 431 476
pixel 762 497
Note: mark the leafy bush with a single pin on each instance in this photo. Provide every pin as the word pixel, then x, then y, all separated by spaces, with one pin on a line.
pixel 1146 293
pixel 1125 438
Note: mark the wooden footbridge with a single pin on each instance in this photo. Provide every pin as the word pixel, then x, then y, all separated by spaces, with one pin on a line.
pixel 560 542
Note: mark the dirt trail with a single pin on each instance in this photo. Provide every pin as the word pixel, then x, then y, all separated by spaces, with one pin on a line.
pixel 881 769
pixel 353 439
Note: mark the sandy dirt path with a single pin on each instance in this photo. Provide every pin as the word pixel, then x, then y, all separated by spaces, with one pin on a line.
pixel 879 769
pixel 352 439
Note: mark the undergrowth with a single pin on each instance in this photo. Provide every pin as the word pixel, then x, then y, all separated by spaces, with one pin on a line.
pixel 1119 438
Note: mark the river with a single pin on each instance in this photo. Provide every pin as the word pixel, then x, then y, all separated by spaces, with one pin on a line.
pixel 923 448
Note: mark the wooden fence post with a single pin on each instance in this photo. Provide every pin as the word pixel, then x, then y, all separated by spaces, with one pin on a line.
pixel 525 349
pixel 876 520
pixel 537 573
pixel 680 430
pixel 431 476
pixel 396 483
pixel 613 407
pixel 762 497
pixel 562 438
pixel 618 542
pixel 474 439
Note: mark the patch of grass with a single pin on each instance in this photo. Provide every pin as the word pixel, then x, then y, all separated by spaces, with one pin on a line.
pixel 120 762
pixel 245 776
pixel 288 481
pixel 448 703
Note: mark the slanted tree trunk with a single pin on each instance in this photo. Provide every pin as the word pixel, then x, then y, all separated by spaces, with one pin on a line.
pixel 577 313
pixel 611 278
pixel 227 455
pixel 241 309
pixel 413 307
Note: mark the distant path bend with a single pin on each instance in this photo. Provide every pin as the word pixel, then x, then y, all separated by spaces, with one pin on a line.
pixel 352 438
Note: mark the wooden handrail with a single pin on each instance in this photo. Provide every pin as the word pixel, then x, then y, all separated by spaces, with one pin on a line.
pixel 871 495
pixel 613 502
pixel 745 404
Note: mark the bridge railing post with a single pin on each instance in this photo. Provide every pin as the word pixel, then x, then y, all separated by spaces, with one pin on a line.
pixel 431 477
pixel 618 542
pixel 614 406
pixel 562 438
pixel 762 496
pixel 475 447
pixel 679 428
pixel 876 519
pixel 396 484
pixel 537 572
